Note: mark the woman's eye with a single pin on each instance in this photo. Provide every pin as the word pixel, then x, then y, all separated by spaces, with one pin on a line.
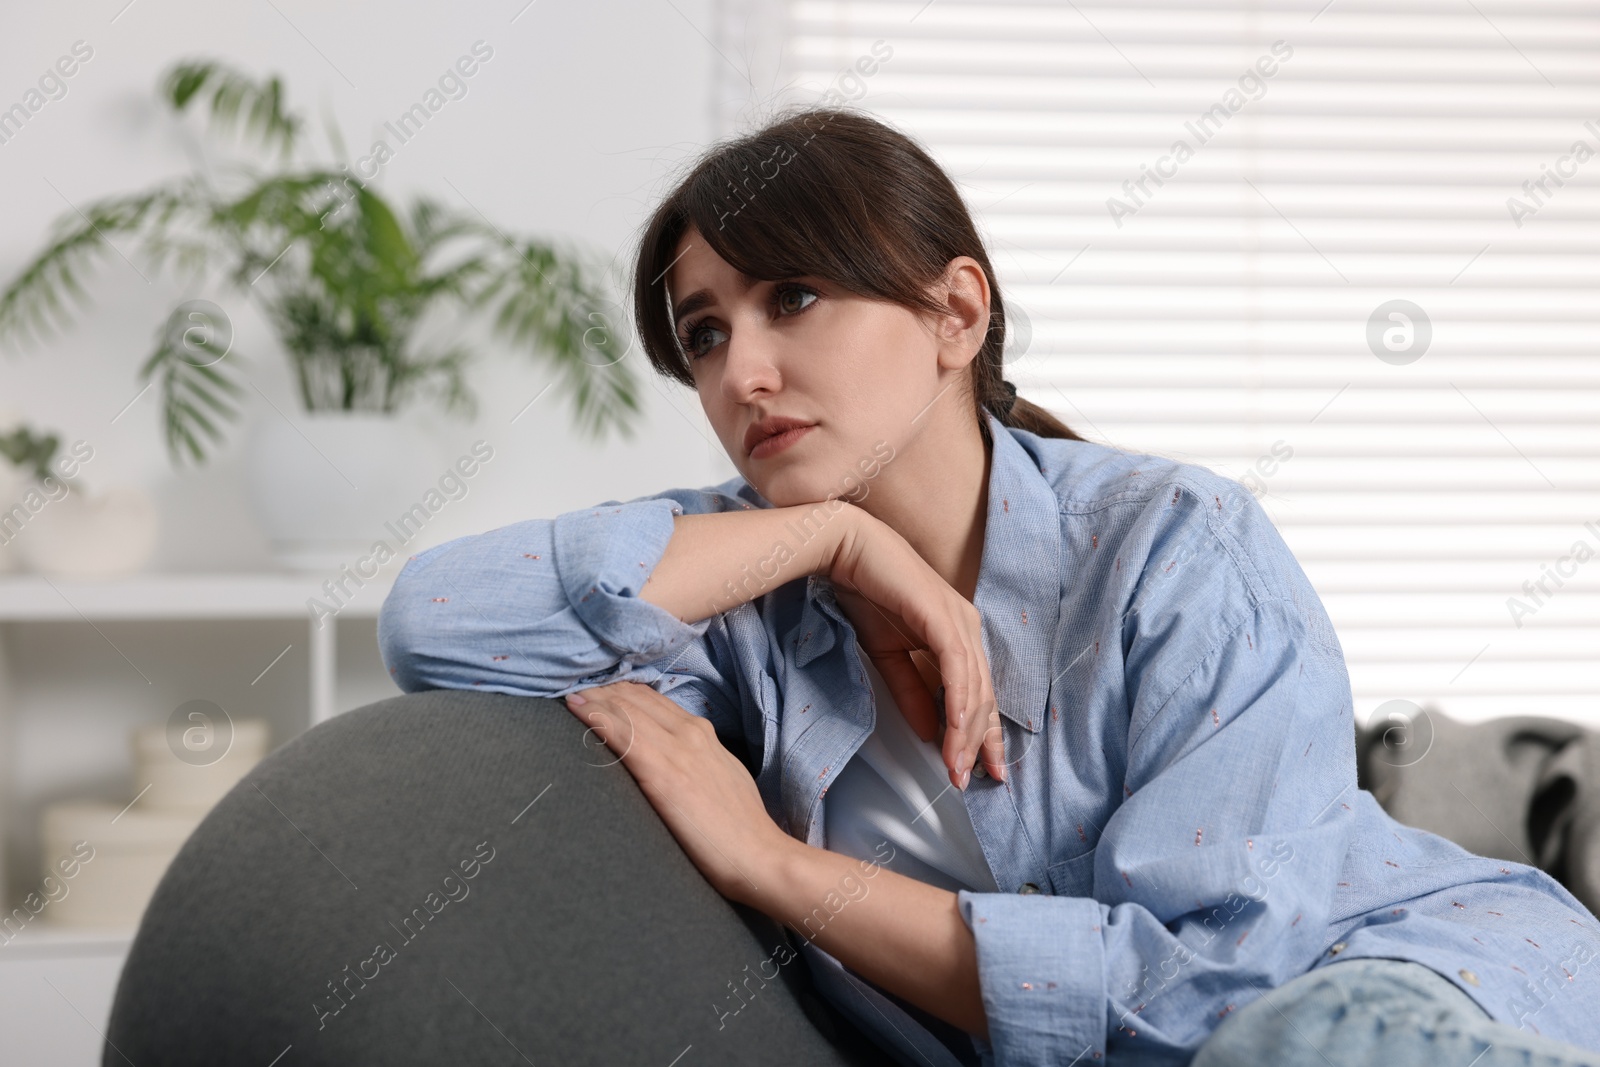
pixel 692 345
pixel 784 295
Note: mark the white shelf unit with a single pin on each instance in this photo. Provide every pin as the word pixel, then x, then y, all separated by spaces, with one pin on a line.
pixel 198 597
pixel 57 984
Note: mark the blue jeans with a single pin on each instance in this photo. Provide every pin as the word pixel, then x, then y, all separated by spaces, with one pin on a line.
pixel 1377 1011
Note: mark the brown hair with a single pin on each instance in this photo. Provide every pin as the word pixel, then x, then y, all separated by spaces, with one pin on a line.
pixel 837 194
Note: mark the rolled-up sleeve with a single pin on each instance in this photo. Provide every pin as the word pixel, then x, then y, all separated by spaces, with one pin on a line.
pixel 1214 878
pixel 603 558
pixel 545 607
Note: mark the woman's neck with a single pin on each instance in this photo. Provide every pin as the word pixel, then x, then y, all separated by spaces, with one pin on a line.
pixel 939 502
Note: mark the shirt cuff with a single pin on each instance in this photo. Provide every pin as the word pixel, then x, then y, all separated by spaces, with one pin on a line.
pixel 604 555
pixel 1041 970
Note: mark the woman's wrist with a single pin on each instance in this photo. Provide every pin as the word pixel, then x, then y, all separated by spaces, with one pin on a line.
pixel 847 528
pixel 770 868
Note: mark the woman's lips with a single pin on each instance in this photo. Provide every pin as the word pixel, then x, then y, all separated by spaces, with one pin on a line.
pixel 771 446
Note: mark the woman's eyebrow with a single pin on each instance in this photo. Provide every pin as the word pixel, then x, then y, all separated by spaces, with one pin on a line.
pixel 704 298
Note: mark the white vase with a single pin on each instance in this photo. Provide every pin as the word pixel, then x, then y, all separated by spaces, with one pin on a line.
pixel 12 485
pixel 90 535
pixel 324 486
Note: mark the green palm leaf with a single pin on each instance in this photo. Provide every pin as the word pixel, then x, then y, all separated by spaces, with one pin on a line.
pixel 235 100
pixel 189 384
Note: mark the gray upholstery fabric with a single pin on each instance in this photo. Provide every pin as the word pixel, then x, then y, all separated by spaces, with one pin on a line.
pixel 1521 788
pixel 585 934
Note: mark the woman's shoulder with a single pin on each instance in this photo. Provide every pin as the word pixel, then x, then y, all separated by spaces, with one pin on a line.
pixel 1089 477
pixel 1173 525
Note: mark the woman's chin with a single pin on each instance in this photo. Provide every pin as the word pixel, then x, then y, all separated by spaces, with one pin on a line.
pixel 787 490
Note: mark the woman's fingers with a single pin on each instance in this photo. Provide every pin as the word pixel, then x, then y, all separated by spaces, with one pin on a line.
pixel 604 721
pixel 618 711
pixel 916 705
pixel 979 740
pixel 959 668
pixel 897 603
pixel 990 743
pixel 993 747
pixel 958 755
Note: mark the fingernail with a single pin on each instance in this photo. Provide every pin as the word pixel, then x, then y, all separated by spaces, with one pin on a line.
pixel 966 776
pixel 576 698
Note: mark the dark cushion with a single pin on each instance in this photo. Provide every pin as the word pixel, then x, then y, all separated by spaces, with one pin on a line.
pixel 1521 787
pixel 454 877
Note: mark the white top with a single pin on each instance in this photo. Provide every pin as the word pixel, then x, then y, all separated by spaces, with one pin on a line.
pixel 896 789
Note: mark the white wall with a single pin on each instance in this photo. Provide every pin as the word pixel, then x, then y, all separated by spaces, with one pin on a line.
pixel 571 132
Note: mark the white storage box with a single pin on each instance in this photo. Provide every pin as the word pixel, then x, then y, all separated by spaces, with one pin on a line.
pixel 192 786
pixel 117 853
pixel 117 867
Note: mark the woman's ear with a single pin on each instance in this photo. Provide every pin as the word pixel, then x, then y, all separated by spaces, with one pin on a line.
pixel 964 291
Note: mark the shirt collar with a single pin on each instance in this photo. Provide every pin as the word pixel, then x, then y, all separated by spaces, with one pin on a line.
pixel 1019 584
pixel 1019 579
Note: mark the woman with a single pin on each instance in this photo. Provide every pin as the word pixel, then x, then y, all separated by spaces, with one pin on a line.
pixel 1088 728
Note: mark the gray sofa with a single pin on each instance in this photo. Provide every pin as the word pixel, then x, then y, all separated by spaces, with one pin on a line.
pixel 454 877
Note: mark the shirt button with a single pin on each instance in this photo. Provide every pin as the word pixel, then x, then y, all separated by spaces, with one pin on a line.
pixel 1468 976
pixel 1337 948
pixel 979 772
pixel 1028 887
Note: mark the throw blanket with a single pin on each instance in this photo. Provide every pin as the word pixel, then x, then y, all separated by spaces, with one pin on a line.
pixel 1518 788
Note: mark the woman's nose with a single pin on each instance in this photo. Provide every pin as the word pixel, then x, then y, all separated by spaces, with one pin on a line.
pixel 751 365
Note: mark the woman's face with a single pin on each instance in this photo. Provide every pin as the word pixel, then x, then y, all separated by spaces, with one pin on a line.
pixel 861 372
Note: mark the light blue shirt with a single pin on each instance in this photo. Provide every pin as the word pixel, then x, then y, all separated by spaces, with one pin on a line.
pixel 893 805
pixel 1179 734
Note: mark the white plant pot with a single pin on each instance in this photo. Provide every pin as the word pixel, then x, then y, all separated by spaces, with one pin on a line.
pixel 12 486
pixel 83 535
pixel 325 486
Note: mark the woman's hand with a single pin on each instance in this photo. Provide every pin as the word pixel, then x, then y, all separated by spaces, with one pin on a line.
pixel 899 605
pixel 700 789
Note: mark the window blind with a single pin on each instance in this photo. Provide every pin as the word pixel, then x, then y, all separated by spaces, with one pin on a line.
pixel 1342 251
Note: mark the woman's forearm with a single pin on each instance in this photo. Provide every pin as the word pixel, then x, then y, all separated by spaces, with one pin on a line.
pixel 905 935
pixel 716 562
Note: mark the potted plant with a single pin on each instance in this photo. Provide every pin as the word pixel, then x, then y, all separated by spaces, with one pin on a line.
pixel 57 528
pixel 345 279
